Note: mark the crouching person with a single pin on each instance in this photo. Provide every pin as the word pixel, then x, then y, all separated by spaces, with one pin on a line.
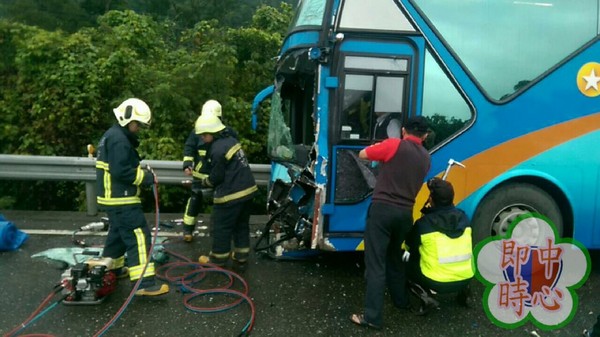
pixel 440 249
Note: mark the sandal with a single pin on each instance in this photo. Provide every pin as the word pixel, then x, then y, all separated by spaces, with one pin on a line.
pixel 359 319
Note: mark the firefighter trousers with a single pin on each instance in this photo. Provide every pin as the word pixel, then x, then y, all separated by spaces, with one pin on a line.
pixel 231 222
pixel 129 233
pixel 193 207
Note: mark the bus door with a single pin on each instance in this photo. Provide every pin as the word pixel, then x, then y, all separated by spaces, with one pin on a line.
pixel 377 79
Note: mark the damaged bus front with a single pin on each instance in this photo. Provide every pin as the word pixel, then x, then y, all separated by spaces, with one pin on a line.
pixel 297 190
pixel 491 105
pixel 315 201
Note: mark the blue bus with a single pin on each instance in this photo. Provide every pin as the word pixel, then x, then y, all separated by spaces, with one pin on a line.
pixel 511 90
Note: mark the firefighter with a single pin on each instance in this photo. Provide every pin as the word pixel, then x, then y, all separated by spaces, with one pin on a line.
pixel 194 164
pixel 234 189
pixel 119 177
pixel 440 248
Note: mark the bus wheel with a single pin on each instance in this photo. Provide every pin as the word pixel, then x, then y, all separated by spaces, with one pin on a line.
pixel 499 209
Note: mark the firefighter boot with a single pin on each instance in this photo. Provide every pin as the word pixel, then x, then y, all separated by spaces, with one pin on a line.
pixel 218 260
pixel 188 233
pixel 240 259
pixel 148 287
pixel 121 273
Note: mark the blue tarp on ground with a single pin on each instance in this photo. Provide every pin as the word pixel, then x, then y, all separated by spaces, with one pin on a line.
pixel 11 238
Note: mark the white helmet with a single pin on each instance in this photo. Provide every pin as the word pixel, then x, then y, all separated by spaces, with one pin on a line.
pixel 133 109
pixel 208 124
pixel 212 107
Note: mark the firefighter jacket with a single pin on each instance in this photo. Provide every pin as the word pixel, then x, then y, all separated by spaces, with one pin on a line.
pixel 119 174
pixel 194 154
pixel 230 173
pixel 443 238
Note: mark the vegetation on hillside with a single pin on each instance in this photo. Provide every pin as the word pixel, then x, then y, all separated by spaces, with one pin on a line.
pixel 64 65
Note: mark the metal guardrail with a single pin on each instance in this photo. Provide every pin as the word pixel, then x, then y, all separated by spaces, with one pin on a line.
pixel 55 168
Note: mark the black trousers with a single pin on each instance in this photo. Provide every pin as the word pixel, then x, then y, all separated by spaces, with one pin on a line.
pixel 230 222
pixel 129 233
pixel 416 275
pixel 386 229
pixel 193 207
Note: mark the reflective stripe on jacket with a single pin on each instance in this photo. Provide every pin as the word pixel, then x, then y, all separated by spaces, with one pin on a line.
pixel 195 152
pixel 443 240
pixel 230 172
pixel 118 170
pixel 446 259
pixel 194 155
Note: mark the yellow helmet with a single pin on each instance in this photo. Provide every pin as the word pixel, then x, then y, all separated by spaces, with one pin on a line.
pixel 133 109
pixel 212 107
pixel 208 124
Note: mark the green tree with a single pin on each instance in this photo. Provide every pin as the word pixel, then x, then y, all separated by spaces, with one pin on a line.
pixel 58 89
pixel 66 15
pixel 442 128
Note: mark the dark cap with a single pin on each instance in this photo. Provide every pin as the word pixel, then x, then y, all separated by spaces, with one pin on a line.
pixel 442 192
pixel 417 123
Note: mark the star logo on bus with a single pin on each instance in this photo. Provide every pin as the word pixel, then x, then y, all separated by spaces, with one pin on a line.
pixel 588 79
pixel 531 274
pixel 592 80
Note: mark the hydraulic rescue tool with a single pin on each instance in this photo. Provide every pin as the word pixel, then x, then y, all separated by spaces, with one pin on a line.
pixel 89 282
pixel 101 225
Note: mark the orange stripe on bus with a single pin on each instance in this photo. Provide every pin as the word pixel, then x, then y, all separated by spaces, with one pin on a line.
pixel 511 153
pixel 498 159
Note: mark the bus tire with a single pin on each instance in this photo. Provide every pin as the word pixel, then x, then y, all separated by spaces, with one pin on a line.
pixel 499 208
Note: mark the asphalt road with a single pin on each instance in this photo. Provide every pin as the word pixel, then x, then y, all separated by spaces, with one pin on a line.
pixel 291 298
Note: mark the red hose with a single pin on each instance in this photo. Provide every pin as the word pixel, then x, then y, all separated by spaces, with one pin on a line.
pixel 57 289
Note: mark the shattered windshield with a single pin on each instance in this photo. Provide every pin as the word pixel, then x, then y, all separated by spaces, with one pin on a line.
pixel 309 13
pixel 279 144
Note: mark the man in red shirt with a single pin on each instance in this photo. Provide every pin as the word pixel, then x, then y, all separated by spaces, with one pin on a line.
pixel 404 164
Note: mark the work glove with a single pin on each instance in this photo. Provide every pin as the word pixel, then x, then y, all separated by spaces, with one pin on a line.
pixel 149 176
pixel 406 256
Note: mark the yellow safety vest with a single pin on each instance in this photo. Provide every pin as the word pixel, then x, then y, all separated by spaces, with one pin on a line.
pixel 444 259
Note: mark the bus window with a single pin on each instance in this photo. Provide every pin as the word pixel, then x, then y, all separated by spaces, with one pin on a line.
pixel 359 14
pixel 279 143
pixel 291 129
pixel 388 107
pixel 501 44
pixel 367 97
pixel 443 106
pixel 309 13
pixel 357 106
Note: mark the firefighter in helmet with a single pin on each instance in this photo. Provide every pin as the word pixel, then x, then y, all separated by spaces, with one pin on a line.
pixel 119 176
pixel 196 166
pixel 234 189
